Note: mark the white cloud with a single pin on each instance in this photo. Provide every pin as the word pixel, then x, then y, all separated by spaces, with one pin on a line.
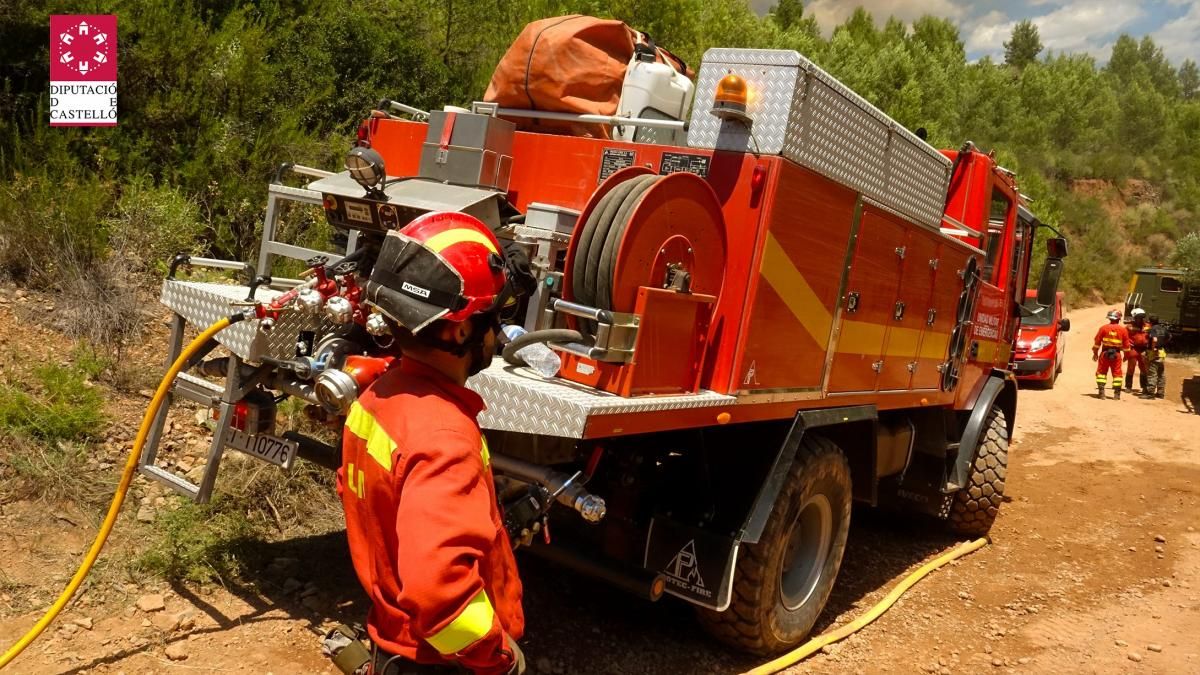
pixel 831 13
pixel 1180 38
pixel 1081 26
pixel 1069 26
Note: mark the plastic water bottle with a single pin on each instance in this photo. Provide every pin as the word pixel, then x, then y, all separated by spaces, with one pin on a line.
pixel 537 355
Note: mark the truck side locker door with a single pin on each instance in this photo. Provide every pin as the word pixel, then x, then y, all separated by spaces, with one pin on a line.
pixel 868 303
pixel 793 298
pixel 907 324
pixel 943 302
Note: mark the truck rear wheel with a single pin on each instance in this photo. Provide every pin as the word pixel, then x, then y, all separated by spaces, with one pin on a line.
pixel 782 582
pixel 976 505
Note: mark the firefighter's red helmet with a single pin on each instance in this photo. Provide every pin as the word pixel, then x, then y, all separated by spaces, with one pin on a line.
pixel 442 265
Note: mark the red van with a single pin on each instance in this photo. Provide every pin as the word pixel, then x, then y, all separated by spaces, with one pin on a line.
pixel 1041 342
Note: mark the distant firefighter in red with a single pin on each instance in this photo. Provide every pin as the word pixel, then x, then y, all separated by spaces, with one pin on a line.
pixel 1112 342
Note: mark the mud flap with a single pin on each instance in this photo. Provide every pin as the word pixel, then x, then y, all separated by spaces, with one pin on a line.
pixel 697 564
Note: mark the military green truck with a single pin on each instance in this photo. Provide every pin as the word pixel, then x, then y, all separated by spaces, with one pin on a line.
pixel 1164 293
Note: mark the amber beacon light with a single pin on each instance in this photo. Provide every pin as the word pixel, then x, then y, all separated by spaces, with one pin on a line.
pixel 729 102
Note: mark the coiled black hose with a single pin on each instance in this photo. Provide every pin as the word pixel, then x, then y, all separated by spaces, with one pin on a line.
pixel 548 335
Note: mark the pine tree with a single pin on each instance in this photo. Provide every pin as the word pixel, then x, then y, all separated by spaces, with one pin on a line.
pixel 787 13
pixel 1025 45
pixel 1161 72
pixel 1124 59
pixel 1189 80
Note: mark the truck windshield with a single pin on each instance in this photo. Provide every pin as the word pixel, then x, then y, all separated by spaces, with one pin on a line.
pixel 1035 314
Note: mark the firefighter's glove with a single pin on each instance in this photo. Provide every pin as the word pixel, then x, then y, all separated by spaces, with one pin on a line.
pixel 1095 355
pixel 520 274
pixel 523 515
pixel 518 657
pixel 343 645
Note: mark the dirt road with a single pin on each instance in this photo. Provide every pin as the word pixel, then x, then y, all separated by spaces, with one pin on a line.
pixel 1095 567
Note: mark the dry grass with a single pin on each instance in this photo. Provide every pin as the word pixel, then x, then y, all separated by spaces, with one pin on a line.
pixel 52 473
pixel 101 304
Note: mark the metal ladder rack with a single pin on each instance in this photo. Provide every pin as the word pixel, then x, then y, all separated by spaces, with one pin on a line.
pixel 223 399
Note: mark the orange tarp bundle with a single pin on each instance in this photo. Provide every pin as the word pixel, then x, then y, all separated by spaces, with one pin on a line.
pixel 571 64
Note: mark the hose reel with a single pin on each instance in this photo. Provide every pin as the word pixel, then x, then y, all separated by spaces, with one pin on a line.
pixel 641 229
pixel 643 273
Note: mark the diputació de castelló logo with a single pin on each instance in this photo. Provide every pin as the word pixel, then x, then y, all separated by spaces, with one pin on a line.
pixel 83 70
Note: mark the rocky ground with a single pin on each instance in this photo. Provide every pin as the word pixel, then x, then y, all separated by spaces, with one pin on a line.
pixel 1095 567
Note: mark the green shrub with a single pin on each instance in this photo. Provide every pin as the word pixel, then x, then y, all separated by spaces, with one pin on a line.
pixel 256 502
pixel 46 421
pixel 150 224
pixel 90 363
pixel 49 227
pixel 60 406
pixel 197 542
pixel 1187 256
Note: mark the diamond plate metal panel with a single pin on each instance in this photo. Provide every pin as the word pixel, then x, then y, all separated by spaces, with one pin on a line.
pixel 520 400
pixel 203 304
pixel 808 116
pixel 915 185
pixel 754 57
pixel 843 142
pixel 771 78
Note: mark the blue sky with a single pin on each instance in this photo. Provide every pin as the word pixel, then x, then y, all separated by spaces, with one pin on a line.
pixel 1065 25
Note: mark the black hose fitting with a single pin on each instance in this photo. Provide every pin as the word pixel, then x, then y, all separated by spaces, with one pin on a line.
pixel 179 259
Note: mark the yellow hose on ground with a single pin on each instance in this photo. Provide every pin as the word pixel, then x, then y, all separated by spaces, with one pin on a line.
pixel 812 646
pixel 119 498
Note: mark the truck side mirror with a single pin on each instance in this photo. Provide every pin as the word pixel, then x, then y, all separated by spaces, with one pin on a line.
pixel 1056 250
pixel 1064 325
pixel 1048 286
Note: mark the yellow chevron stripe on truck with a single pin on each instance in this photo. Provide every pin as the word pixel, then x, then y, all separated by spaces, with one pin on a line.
pixel 858 337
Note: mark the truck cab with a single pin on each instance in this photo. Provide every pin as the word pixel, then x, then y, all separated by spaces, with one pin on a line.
pixel 1164 293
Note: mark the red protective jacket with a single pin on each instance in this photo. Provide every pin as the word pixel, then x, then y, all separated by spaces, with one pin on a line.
pixel 1112 336
pixel 425 530
pixel 1139 338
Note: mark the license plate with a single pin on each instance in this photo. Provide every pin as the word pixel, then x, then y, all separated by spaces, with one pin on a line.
pixel 358 212
pixel 268 448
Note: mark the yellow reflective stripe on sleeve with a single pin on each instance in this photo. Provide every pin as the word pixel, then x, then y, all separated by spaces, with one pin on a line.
pixel 458 235
pixel 474 622
pixel 380 446
pixel 484 452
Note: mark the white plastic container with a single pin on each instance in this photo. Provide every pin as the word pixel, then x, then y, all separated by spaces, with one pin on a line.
pixel 654 90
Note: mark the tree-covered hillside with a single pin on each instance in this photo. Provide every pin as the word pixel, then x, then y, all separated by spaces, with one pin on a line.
pixel 214 94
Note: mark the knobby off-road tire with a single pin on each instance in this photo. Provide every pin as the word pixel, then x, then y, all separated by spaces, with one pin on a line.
pixel 976 505
pixel 782 582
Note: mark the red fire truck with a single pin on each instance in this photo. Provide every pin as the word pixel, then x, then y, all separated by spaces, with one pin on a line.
pixel 783 305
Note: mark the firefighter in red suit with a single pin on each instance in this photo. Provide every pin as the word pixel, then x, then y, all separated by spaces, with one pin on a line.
pixel 426 534
pixel 1139 342
pixel 1112 341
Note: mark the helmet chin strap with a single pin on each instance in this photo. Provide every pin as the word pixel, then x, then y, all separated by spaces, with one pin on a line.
pixel 474 345
pixel 480 325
